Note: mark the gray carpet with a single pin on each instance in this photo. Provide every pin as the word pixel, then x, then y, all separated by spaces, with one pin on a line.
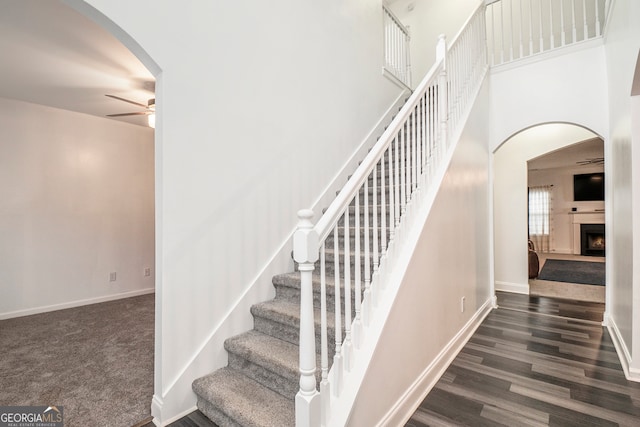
pixel 581 272
pixel 96 361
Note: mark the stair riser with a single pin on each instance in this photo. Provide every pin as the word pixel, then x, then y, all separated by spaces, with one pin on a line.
pixel 293 294
pixel 211 411
pixel 291 333
pixel 285 386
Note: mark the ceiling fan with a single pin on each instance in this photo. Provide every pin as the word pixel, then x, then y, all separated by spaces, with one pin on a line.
pixel 593 161
pixel 149 109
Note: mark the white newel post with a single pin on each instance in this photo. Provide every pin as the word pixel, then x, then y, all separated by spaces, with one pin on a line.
pixel 443 93
pixel 305 253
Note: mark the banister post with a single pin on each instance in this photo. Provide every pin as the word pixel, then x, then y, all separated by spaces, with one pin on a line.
pixel 305 253
pixel 443 91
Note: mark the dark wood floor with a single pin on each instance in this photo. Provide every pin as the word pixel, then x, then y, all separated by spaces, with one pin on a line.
pixel 531 367
pixel 535 361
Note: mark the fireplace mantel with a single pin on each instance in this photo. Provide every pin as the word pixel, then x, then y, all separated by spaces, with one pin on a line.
pixel 583 217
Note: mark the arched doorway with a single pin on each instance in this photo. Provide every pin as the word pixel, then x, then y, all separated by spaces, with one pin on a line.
pixel 80 215
pixel 511 183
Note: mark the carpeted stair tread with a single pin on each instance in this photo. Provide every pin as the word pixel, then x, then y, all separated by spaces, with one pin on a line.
pixel 288 313
pixel 242 400
pixel 271 353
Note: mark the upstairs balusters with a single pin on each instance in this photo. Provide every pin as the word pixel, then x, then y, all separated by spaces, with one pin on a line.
pixel 518 29
pixel 396 48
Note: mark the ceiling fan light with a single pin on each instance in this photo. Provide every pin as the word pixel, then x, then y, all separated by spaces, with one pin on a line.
pixel 151 120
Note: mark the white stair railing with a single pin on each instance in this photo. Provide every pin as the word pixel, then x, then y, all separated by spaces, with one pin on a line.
pixel 397 54
pixel 518 29
pixel 356 239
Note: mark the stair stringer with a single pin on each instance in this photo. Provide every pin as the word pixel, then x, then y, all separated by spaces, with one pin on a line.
pixel 386 284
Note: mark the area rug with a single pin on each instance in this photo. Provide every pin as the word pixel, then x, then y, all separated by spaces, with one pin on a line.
pixel 582 272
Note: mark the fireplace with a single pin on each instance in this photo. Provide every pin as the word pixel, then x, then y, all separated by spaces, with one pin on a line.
pixel 592 241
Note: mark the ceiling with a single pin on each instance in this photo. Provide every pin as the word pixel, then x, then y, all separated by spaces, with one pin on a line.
pixel 569 156
pixel 55 56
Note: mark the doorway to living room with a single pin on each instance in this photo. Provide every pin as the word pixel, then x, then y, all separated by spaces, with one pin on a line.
pixel 566 223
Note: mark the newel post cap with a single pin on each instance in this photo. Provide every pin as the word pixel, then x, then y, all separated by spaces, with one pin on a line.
pixel 305 239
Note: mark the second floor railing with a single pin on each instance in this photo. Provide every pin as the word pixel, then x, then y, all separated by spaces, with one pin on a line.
pixel 397 55
pixel 519 29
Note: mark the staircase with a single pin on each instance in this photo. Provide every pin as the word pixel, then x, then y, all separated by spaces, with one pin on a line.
pixel 305 347
pixel 259 385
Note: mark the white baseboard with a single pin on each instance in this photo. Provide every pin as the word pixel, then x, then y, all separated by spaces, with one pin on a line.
pixel 516 288
pixel 622 350
pixel 400 413
pixel 76 303
pixel 156 412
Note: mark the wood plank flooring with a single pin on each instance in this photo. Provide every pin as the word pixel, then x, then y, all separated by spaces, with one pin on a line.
pixel 535 361
pixel 534 368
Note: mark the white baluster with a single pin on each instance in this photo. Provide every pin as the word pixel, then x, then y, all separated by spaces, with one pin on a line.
pixel 366 312
pixel 383 207
pixel 511 30
pixel 530 27
pixel 584 14
pixel 573 21
pixel 325 389
pixel 501 34
pixel 552 42
pixel 347 348
pixel 541 28
pixel 403 175
pixel 414 152
pixel 493 33
pixel 305 250
pixel 521 33
pixel 375 229
pixel 441 53
pixel 337 357
pixel 392 203
pixel 357 327
pixel 598 29
pixel 563 38
pixel 396 198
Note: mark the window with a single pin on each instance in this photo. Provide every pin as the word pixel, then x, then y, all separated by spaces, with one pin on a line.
pixel 540 218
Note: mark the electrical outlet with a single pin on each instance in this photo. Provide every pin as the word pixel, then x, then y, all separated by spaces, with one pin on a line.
pixel 147 272
pixel 112 276
pixel 462 305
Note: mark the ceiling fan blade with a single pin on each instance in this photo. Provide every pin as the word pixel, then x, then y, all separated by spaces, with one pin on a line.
pixel 126 100
pixel 141 113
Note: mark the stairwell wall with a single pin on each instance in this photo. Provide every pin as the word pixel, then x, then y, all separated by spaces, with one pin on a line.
pixel 622 46
pixel 451 261
pixel 563 88
pixel 259 104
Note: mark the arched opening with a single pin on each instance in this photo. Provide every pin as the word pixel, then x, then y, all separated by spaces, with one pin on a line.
pixel 78 249
pixel 548 157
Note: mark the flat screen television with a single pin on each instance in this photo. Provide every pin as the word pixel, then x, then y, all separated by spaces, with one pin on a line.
pixel 588 187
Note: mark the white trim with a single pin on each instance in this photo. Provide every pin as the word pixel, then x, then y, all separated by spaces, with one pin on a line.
pixel 400 413
pixel 73 304
pixel 389 74
pixel 547 54
pixel 156 408
pixel 516 288
pixel 622 350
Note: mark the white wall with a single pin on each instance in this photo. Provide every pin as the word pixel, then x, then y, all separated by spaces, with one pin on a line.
pixel 426 21
pixel 568 86
pixel 259 105
pixel 622 44
pixel 77 204
pixel 451 261
pixel 562 193
pixel 510 197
